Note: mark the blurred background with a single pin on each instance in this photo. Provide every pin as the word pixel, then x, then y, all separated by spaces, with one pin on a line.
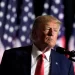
pixel 17 17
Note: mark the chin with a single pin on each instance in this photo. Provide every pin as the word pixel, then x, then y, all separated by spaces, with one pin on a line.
pixel 51 45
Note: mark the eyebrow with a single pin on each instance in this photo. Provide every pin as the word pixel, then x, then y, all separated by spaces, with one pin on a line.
pixel 47 26
pixel 50 27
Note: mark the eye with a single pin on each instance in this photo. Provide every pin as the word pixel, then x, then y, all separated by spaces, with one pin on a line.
pixel 46 29
pixel 56 30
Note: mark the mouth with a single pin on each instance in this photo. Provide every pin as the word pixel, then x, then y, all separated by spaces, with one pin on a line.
pixel 48 38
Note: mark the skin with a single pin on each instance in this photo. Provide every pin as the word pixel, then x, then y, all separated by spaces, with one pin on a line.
pixel 46 36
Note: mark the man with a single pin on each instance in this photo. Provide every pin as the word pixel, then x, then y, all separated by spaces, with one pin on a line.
pixel 24 60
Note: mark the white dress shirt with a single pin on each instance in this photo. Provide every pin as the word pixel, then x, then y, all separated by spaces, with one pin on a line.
pixel 35 53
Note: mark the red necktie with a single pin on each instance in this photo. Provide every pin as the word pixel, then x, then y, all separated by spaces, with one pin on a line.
pixel 40 66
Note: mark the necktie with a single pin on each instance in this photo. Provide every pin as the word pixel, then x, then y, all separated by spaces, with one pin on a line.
pixel 40 66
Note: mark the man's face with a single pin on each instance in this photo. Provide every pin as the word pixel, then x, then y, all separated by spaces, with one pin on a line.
pixel 47 34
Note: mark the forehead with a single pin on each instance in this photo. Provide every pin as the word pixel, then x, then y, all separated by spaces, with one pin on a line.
pixel 49 24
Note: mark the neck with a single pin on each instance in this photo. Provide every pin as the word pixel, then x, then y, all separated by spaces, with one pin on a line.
pixel 43 47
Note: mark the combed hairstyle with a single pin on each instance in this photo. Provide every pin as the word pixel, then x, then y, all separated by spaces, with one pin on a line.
pixel 44 20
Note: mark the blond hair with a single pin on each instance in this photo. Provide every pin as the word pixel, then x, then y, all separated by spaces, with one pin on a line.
pixel 44 20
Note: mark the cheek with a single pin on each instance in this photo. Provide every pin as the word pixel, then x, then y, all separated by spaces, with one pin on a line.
pixel 41 36
pixel 55 38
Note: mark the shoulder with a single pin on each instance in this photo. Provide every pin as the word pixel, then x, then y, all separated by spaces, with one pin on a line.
pixel 19 49
pixel 63 61
pixel 16 52
pixel 61 57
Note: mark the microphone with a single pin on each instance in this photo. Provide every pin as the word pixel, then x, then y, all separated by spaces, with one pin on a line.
pixel 60 50
pixel 63 51
pixel 66 52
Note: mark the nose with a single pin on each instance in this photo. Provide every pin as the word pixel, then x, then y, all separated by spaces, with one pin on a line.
pixel 50 32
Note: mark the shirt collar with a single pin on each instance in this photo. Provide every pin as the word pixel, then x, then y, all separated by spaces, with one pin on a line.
pixel 36 52
pixel 47 54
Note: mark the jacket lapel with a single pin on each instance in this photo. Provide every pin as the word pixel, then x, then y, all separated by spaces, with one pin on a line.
pixel 54 66
pixel 27 65
pixel 25 61
pixel 55 63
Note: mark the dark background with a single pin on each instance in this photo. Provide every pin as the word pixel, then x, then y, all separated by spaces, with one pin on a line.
pixel 69 12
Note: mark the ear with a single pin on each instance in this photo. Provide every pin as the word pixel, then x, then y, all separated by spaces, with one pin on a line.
pixel 34 34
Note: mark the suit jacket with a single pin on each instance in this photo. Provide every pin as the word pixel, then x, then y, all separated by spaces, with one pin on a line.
pixel 17 61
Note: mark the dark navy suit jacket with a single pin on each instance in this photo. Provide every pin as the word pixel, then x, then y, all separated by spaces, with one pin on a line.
pixel 17 61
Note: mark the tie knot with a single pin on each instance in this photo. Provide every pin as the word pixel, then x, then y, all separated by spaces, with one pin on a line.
pixel 42 55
